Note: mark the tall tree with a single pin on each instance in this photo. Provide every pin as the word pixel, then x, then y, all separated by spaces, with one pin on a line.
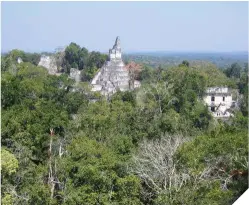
pixel 233 71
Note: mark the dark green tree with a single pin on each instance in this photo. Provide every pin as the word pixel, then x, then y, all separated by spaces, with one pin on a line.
pixel 233 71
pixel 184 63
pixel 75 57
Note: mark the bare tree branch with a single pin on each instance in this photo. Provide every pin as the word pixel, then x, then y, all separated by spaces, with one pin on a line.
pixel 155 165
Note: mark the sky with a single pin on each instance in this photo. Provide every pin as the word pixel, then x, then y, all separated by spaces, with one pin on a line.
pixel 142 26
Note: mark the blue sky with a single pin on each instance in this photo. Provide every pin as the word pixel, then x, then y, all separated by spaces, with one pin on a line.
pixel 142 26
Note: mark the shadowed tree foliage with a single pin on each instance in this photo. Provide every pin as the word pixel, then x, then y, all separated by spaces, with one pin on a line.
pixel 233 71
pixel 82 59
pixel 184 63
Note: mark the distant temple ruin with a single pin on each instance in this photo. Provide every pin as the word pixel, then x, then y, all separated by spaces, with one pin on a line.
pixel 49 63
pixel 113 75
pixel 19 60
pixel 219 101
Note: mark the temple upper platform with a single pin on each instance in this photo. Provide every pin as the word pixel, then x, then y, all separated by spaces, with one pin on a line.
pixel 115 53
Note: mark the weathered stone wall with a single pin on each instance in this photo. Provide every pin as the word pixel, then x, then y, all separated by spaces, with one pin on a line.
pixel 219 101
pixel 49 63
pixel 75 74
pixel 19 60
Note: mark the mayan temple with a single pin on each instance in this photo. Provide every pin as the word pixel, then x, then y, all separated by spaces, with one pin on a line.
pixel 113 75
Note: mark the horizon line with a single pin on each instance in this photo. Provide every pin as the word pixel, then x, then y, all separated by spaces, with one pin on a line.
pixel 140 51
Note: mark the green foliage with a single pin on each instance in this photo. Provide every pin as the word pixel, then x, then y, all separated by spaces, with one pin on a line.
pixel 15 54
pixel 9 163
pixel 188 87
pixel 93 143
pixel 170 122
pixel 31 106
pixel 239 122
pixel 147 74
pixel 233 71
pixel 221 144
pixel 128 190
pixel 94 176
pixel 127 96
pixel 75 57
pixel 9 166
pixel 80 58
pixel 184 63
pixel 96 59
pixel 7 200
pixel 243 89
pixel 33 58
pixel 225 152
pixel 89 73
pixel 205 72
pixel 201 194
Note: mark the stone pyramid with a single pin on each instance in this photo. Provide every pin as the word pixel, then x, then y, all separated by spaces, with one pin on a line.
pixel 113 75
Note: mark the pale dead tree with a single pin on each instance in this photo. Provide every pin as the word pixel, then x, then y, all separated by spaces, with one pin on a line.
pixel 50 174
pixel 60 146
pixel 155 164
pixel 60 149
pixel 52 179
pixel 161 93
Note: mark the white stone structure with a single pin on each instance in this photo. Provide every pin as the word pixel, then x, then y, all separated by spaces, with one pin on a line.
pixel 112 76
pixel 19 60
pixel 75 74
pixel 49 63
pixel 115 52
pixel 219 101
pixel 137 84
